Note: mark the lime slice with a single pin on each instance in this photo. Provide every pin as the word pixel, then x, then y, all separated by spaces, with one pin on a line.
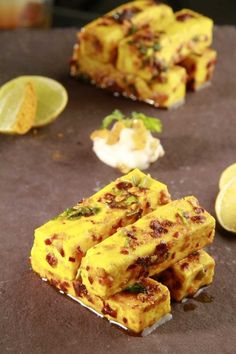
pixel 225 206
pixel 18 105
pixel 52 97
pixel 227 175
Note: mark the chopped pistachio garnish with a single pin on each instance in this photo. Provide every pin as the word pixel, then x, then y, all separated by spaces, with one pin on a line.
pixel 78 212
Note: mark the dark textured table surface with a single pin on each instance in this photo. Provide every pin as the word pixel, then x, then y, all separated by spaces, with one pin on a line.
pixel 41 174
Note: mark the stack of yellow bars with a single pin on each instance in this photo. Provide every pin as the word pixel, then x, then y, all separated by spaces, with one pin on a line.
pixel 127 250
pixel 145 51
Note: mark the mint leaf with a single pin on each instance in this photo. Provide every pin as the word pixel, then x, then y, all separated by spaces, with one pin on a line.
pixel 154 125
pixel 136 289
pixel 115 115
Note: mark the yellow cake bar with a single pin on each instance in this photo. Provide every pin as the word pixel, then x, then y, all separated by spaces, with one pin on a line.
pixel 149 51
pixel 61 243
pixel 147 247
pixel 187 276
pixel 99 39
pixel 200 68
pixel 137 308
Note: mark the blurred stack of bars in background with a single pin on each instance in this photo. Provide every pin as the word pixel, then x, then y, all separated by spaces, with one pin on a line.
pixel 76 13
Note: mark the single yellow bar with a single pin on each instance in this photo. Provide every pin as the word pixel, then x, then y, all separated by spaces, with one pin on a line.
pixel 99 39
pixel 187 276
pixel 200 68
pixel 147 247
pixel 149 51
pixel 135 309
pixel 166 90
pixel 61 243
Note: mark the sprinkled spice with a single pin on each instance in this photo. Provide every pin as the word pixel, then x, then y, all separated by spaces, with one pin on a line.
pixel 47 242
pixel 199 219
pixel 184 266
pixel 124 185
pixel 80 289
pixel 107 310
pixel 71 259
pixel 51 259
pixel 62 252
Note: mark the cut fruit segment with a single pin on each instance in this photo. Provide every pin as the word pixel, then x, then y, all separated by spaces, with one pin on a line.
pixel 52 96
pixel 225 206
pixel 227 175
pixel 18 105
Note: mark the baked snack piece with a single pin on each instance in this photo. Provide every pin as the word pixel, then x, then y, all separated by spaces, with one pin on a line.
pixel 135 51
pixel 147 247
pixel 199 68
pixel 61 243
pixel 135 309
pixel 187 276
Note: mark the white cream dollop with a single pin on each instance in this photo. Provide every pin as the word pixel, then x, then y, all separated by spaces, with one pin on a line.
pixel 124 155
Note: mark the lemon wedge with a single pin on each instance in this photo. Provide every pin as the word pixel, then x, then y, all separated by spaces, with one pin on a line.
pixel 225 206
pixel 52 97
pixel 18 105
pixel 227 175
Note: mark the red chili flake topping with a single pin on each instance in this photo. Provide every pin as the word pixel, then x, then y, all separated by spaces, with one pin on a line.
pixel 184 266
pixel 163 198
pixel 107 310
pixel 54 282
pixel 173 255
pixel 51 259
pixel 124 185
pixel 124 251
pixel 132 266
pixel 80 289
pixel 71 259
pixel 88 268
pixel 184 17
pixel 64 286
pixel 162 251
pixel 158 229
pixel 108 197
pixel 79 252
pixel 199 219
pixel 176 235
pixel 125 320
pixel 48 241
pixel 167 223
pixel 62 252
pixel 131 235
pixel 90 279
pixel 144 261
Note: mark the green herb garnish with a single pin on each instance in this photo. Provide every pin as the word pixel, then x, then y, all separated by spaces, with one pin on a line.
pixel 156 47
pixel 77 212
pixel 152 124
pixel 115 115
pixel 136 289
